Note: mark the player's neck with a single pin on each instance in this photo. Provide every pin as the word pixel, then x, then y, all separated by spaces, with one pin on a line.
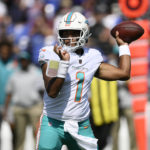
pixel 79 51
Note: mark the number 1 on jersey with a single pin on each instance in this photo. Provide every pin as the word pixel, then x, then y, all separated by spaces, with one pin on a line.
pixel 80 77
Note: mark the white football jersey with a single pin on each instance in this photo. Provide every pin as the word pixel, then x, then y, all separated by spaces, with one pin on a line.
pixel 72 100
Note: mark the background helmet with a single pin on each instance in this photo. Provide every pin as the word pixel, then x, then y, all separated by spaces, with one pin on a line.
pixel 74 21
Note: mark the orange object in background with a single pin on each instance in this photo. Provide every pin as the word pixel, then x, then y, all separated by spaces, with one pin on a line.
pixel 138 86
pixel 139 67
pixel 139 103
pixel 140 129
pixel 139 49
pixel 145 24
pixel 133 8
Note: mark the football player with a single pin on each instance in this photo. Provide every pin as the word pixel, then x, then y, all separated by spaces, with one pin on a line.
pixel 68 70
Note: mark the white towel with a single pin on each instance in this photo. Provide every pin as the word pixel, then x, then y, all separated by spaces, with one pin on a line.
pixel 86 143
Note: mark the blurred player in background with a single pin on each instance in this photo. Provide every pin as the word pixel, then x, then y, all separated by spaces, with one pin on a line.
pixel 7 67
pixel 67 72
pixel 24 93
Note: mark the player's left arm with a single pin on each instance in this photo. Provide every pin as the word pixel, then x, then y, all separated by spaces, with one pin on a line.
pixel 122 72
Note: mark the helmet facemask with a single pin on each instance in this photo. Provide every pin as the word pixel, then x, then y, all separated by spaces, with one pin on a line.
pixel 78 41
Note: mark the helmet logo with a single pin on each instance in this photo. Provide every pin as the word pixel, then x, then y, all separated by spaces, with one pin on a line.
pixel 68 20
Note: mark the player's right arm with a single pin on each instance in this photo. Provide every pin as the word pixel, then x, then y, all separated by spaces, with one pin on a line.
pixel 54 84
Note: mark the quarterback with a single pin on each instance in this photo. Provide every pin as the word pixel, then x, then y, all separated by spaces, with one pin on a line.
pixel 68 70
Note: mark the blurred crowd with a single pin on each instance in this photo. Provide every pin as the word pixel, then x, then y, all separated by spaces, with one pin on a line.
pixel 25 27
pixel 31 24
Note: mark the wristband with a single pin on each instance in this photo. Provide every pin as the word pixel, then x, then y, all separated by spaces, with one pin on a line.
pixel 124 50
pixel 62 69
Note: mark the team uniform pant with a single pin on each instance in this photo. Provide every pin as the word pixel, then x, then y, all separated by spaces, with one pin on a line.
pixel 22 118
pixel 51 135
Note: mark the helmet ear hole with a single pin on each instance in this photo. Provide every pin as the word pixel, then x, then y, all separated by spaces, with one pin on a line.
pixel 61 33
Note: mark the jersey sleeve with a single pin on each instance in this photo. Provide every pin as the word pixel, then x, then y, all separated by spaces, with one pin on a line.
pixel 45 54
pixel 96 56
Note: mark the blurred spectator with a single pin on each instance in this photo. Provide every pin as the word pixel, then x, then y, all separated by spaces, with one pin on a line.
pixel 17 11
pixel 41 35
pixel 100 33
pixel 24 88
pixel 7 67
pixel 125 110
pixel 3 10
pixel 37 38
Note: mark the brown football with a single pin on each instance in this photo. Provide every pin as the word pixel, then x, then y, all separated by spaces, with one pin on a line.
pixel 128 31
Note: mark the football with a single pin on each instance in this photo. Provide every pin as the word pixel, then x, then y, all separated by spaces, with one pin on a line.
pixel 128 31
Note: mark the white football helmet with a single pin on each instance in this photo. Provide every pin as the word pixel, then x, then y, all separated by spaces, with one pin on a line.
pixel 73 21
